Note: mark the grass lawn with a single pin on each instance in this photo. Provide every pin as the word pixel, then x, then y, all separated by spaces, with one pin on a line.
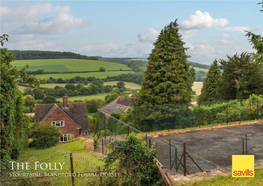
pixel 59 154
pixel 68 65
pixel 127 84
pixel 90 74
pixel 197 87
pixel 229 180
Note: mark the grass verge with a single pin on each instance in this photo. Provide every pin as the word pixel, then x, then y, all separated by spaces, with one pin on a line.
pixel 229 180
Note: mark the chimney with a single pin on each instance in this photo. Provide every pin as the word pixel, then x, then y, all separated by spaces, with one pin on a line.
pixel 65 101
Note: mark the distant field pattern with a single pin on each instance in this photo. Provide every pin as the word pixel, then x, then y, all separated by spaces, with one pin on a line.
pixel 68 65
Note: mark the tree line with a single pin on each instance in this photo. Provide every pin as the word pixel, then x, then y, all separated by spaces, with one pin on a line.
pixel 135 78
pixel 36 54
pixel 239 78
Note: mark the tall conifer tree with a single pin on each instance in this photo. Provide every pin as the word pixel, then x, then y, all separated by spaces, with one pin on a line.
pixel 168 78
pixel 240 78
pixel 209 89
pixel 167 82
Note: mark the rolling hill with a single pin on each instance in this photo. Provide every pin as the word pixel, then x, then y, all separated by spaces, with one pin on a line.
pixel 68 65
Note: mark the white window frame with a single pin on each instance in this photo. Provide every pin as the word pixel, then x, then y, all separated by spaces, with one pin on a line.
pixel 63 138
pixel 61 123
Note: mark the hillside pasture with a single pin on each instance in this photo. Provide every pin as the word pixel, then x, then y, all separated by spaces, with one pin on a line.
pixel 127 84
pixel 201 69
pixel 68 65
pixel 90 74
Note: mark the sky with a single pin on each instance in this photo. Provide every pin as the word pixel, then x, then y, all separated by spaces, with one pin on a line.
pixel 210 29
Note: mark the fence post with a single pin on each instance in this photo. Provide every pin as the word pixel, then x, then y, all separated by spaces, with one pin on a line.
pixel 115 130
pixel 184 154
pixel 97 121
pixel 246 144
pixel 170 154
pixel 72 170
pixel 105 127
pixel 250 110
pixel 150 143
pixel 100 177
pixel 257 109
pixel 243 146
pixel 227 114
pixel 102 146
pixel 175 154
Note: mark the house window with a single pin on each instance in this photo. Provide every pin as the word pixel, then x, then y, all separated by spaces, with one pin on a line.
pixel 65 138
pixel 58 123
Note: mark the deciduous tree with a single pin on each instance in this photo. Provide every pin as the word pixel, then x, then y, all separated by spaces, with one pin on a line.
pixel 14 124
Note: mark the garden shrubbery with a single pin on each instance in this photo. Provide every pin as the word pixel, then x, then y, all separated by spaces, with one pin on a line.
pixel 44 135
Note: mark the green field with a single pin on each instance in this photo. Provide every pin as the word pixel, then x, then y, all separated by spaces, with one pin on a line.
pixel 127 84
pixel 91 74
pixel 88 97
pixel 68 65
pixel 201 69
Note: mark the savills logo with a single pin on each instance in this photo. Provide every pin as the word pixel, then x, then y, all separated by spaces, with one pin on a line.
pixel 247 172
pixel 242 165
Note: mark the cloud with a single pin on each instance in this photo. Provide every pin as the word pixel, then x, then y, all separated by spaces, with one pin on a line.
pixel 187 33
pixel 238 28
pixel 133 49
pixel 226 42
pixel 243 29
pixel 149 36
pixel 205 53
pixel 32 11
pixel 60 23
pixel 41 18
pixel 200 21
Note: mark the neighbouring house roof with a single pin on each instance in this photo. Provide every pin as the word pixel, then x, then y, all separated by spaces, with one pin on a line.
pixel 120 104
pixel 76 112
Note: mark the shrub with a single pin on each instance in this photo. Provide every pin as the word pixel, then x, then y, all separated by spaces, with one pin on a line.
pixel 95 142
pixel 16 149
pixel 93 122
pixel 44 135
pixel 26 110
pixel 134 163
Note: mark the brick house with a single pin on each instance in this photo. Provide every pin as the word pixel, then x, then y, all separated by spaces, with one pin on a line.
pixel 71 118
